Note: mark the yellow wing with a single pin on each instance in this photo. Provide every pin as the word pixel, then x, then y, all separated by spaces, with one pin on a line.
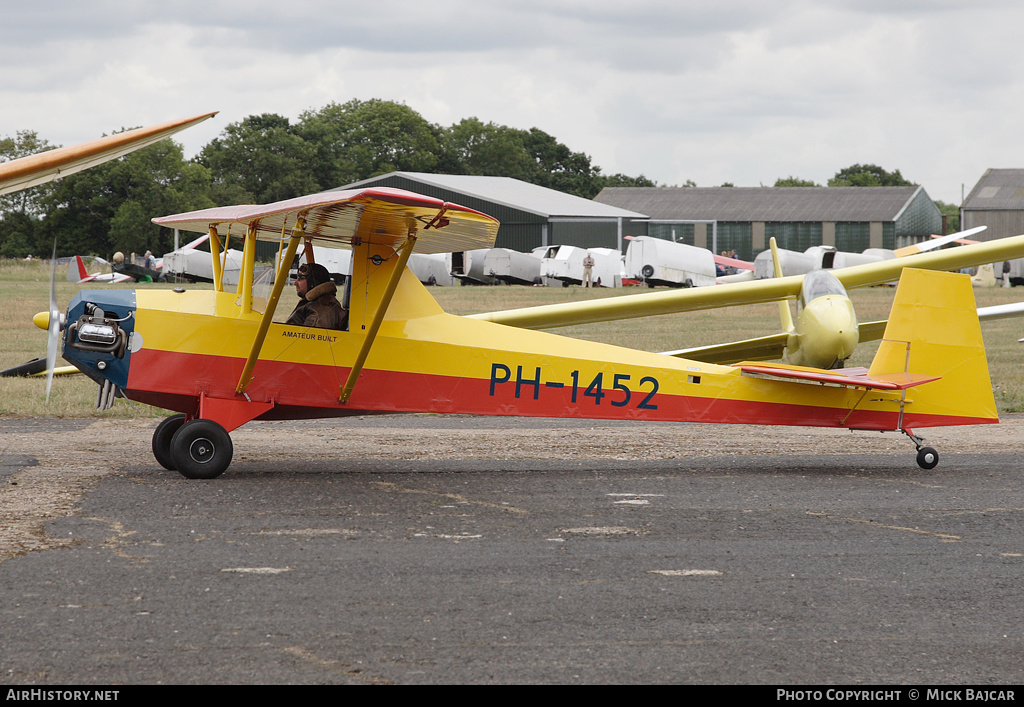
pixel 763 348
pixel 46 166
pixel 650 304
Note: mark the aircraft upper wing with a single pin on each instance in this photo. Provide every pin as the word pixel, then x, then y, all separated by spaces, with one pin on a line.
pixel 46 166
pixel 336 218
pixel 732 294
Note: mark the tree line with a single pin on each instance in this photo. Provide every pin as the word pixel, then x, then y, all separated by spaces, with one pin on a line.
pixel 267 157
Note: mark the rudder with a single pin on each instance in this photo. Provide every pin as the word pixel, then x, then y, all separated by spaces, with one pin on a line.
pixel 933 329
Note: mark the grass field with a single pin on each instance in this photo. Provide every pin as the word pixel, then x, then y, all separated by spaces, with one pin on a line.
pixel 24 291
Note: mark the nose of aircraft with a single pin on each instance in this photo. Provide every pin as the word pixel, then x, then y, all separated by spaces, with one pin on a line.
pixel 828 331
pixel 99 327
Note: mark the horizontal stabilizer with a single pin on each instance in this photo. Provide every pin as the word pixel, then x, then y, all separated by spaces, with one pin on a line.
pixel 851 377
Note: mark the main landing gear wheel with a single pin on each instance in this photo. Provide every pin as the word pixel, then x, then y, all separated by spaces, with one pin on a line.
pixel 927 458
pixel 162 440
pixel 201 449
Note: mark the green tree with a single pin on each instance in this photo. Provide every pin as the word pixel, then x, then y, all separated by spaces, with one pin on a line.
pixel 259 159
pixel 558 167
pixel 109 207
pixel 951 216
pixel 362 139
pixel 18 235
pixel 622 180
pixel 19 211
pixel 792 181
pixel 25 143
pixel 534 156
pixel 868 175
pixel 488 150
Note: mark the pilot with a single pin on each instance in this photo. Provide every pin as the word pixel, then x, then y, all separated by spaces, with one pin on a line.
pixel 318 304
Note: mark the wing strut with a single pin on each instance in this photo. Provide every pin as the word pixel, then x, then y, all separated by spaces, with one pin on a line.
pixel 378 317
pixel 218 276
pixel 248 266
pixel 268 314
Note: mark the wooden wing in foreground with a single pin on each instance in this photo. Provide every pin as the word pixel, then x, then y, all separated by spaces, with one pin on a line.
pixel 46 166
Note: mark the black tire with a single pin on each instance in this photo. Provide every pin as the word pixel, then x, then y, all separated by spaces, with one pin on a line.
pixel 927 458
pixel 647 271
pixel 201 449
pixel 162 440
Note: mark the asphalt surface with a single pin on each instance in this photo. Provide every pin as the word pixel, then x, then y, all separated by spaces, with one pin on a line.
pixel 740 569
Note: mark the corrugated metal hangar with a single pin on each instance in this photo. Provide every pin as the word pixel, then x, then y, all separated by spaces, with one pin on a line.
pixel 997 201
pixel 531 216
pixel 722 218
pixel 744 218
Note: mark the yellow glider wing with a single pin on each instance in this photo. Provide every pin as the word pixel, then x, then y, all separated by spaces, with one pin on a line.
pixel 46 166
pixel 764 348
pixel 728 295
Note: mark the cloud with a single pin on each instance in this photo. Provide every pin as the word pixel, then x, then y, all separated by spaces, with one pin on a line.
pixel 741 91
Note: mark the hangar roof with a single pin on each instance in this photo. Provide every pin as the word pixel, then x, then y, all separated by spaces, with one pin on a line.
pixel 998 189
pixel 513 193
pixel 782 204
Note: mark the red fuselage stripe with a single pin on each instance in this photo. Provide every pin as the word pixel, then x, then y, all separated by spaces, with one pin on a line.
pixel 176 380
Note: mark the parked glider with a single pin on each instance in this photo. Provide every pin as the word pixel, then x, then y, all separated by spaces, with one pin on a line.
pixel 78 274
pixel 821 257
pixel 219 360
pixel 189 264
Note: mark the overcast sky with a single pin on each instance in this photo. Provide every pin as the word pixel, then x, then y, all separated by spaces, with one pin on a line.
pixel 743 92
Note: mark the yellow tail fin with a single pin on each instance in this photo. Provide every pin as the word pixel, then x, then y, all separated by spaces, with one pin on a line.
pixel 933 329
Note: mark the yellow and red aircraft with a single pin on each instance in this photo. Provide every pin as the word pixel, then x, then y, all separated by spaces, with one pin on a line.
pixel 219 359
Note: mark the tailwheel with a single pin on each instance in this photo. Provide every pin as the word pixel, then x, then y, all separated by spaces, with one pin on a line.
pixel 927 458
pixel 162 440
pixel 201 449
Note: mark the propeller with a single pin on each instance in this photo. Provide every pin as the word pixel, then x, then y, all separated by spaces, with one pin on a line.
pixel 53 326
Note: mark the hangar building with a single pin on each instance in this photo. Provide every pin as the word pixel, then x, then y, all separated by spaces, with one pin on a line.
pixel 997 201
pixel 744 218
pixel 531 216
